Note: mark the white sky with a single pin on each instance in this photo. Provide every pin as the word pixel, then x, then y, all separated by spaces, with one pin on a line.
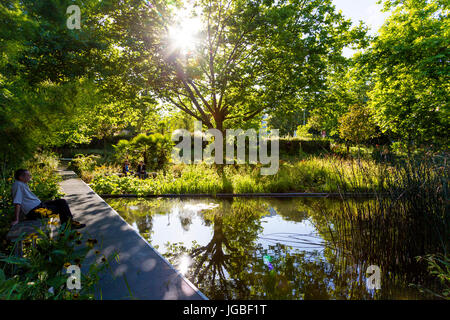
pixel 366 10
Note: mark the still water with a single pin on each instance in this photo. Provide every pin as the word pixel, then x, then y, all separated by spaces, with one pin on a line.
pixel 269 248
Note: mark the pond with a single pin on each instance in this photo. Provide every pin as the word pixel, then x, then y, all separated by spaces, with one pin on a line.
pixel 273 248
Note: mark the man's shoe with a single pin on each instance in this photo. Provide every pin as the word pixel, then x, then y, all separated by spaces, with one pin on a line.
pixel 77 225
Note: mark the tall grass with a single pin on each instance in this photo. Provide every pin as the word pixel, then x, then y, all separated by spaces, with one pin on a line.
pixel 408 219
pixel 313 174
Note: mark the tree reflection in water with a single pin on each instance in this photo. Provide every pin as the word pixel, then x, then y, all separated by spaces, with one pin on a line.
pixel 231 264
pixel 236 226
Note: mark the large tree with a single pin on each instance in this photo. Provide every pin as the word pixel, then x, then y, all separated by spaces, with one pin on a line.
pixel 47 73
pixel 346 85
pixel 410 61
pixel 248 57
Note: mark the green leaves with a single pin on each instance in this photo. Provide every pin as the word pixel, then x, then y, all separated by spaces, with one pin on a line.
pixel 15 260
pixel 411 73
pixel 47 76
pixel 153 149
pixel 357 124
pixel 41 274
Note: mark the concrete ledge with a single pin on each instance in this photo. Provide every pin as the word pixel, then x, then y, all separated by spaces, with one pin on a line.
pixel 24 227
pixel 139 268
pixel 66 174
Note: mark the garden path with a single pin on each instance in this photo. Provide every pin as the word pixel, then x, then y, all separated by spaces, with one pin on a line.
pixel 139 268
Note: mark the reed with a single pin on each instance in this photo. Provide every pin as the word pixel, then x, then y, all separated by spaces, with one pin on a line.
pixel 409 218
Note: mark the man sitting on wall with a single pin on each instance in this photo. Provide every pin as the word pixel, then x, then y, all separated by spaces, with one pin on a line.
pixel 25 200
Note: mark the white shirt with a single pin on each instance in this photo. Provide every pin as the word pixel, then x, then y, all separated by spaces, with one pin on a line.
pixel 22 195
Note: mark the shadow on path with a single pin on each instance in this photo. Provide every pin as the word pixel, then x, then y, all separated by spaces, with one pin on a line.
pixel 147 273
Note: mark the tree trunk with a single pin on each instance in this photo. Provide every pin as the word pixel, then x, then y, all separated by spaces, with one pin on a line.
pixel 219 119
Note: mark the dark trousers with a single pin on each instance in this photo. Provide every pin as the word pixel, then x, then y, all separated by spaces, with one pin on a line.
pixel 58 206
pixel 142 175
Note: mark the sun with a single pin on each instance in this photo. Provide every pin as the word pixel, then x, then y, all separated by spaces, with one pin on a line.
pixel 185 34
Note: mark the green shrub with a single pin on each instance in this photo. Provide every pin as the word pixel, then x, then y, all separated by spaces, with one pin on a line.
pixel 153 149
pixel 438 267
pixel 84 165
pixel 303 131
pixel 46 160
pixel 123 151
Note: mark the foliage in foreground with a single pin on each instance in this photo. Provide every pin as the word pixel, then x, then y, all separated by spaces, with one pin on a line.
pixel 41 272
pixel 439 267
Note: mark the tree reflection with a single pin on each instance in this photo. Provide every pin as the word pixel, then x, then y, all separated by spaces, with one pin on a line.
pixel 231 264
pixel 297 275
pixel 140 212
pixel 236 225
pixel 215 269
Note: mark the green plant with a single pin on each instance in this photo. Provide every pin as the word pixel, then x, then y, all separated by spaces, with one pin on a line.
pixel 41 272
pixel 313 174
pixel 303 131
pixel 84 165
pixel 357 125
pixel 153 149
pixel 45 160
pixel 45 185
pixel 439 268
